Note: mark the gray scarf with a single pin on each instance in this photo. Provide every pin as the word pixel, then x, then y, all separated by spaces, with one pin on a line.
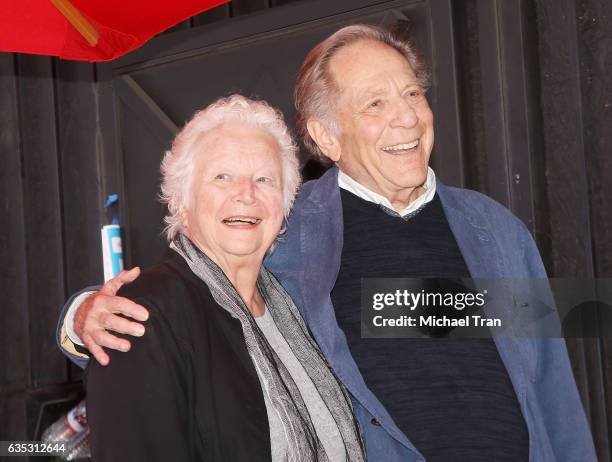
pixel 303 443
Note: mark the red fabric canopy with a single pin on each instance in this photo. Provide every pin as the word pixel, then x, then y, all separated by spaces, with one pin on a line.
pixel 38 26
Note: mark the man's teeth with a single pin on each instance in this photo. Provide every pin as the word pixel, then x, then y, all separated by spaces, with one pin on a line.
pixel 401 147
pixel 247 220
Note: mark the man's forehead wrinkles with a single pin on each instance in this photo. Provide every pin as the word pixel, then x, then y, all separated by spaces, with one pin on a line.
pixel 367 92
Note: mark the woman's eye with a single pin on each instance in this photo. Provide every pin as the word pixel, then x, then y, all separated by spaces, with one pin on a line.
pixel 264 179
pixel 375 104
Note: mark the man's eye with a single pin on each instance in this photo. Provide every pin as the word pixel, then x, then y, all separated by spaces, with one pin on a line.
pixel 375 104
pixel 415 94
pixel 222 177
pixel 264 179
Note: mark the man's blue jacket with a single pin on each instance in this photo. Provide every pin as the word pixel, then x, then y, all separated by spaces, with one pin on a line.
pixel 494 244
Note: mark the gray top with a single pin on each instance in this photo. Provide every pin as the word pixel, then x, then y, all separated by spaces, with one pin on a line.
pixel 322 420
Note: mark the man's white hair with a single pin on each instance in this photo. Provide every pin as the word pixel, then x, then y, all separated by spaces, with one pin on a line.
pixel 177 167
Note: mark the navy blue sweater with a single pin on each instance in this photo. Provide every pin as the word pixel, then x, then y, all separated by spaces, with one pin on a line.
pixel 451 397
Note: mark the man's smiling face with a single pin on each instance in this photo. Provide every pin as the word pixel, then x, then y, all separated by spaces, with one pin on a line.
pixel 385 123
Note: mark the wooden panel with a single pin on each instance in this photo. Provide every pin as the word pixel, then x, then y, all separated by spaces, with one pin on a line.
pixel 14 348
pixel 240 7
pixel 14 353
pixel 447 159
pixel 13 417
pixel 80 154
pixel 186 24
pixel 594 19
pixel 80 147
pixel 500 113
pixel 43 220
pixel 607 386
pixel 507 106
pixel 142 154
pixel 568 190
pixel 519 107
pixel 158 122
pixel 529 189
pixel 218 13
pixel 302 15
pixel 564 140
pixel 465 19
pixel 274 3
pixel 595 39
pixel 494 111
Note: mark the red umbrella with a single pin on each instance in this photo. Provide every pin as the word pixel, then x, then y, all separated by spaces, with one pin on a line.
pixel 89 30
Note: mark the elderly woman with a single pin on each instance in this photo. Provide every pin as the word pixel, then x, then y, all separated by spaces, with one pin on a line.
pixel 227 370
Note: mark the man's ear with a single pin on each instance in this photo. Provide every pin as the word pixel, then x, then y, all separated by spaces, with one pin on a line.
pixel 327 142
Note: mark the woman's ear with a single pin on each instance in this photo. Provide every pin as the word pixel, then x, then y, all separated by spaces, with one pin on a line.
pixel 183 214
pixel 326 141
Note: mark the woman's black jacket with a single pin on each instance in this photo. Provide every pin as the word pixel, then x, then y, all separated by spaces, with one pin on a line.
pixel 187 390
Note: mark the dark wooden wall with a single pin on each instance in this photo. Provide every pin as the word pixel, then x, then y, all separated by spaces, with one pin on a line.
pixel 537 110
pixel 533 100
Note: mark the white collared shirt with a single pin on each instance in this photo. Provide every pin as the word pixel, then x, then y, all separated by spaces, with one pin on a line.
pixel 349 184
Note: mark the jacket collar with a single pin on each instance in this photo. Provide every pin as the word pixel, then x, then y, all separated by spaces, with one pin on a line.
pixel 469 227
pixel 324 195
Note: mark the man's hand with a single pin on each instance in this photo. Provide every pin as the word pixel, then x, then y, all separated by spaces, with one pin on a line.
pixel 98 313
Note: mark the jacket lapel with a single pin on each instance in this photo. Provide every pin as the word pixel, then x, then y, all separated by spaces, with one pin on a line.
pixel 321 213
pixel 485 260
pixel 473 236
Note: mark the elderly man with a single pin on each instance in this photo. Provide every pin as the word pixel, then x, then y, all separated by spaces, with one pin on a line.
pixel 379 212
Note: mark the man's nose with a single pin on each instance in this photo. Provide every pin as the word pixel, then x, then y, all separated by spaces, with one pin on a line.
pixel 405 115
pixel 245 191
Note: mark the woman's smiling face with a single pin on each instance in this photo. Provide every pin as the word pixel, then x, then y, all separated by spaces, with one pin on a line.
pixel 236 203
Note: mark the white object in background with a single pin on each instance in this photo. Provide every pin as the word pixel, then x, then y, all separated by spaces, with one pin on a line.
pixel 112 252
pixel 69 430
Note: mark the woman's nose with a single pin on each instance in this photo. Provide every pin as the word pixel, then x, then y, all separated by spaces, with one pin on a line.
pixel 245 192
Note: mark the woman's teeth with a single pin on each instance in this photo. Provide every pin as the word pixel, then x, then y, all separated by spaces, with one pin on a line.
pixel 241 220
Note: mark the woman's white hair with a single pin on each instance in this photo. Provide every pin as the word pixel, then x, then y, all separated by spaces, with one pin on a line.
pixel 177 167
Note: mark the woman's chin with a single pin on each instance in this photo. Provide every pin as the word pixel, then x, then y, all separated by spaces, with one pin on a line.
pixel 238 249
